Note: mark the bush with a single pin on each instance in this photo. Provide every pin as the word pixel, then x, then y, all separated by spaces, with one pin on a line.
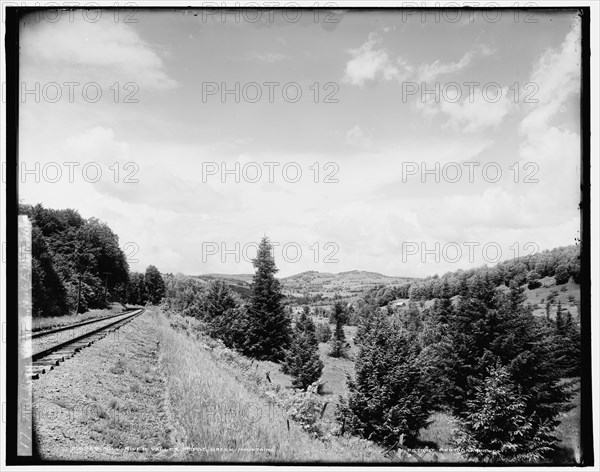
pixel 306 409
pixel 533 284
pixel 562 274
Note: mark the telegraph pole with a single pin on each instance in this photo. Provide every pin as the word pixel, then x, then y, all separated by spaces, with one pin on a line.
pixel 78 295
pixel 106 284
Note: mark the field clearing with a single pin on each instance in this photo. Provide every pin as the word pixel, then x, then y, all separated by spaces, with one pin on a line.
pixel 568 294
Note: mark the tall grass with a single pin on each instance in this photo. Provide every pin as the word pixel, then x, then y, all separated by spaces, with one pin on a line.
pixel 220 419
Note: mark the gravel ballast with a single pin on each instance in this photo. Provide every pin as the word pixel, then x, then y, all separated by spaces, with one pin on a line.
pixel 107 403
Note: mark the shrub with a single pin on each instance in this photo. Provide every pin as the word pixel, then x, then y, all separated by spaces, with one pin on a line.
pixel 562 274
pixel 533 284
pixel 306 408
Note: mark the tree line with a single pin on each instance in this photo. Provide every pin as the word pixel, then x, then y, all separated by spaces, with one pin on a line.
pixel 77 265
pixel 561 263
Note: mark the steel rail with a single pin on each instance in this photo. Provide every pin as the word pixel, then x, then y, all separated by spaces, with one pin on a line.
pixel 46 352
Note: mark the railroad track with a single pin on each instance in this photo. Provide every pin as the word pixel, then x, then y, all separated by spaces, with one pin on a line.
pixel 46 332
pixel 46 359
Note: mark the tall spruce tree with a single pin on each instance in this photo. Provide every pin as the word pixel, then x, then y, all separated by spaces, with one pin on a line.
pixel 338 341
pixel 269 327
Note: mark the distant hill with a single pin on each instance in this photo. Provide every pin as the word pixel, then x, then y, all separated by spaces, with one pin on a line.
pixel 354 282
pixel 351 274
pixel 237 277
pixel 345 284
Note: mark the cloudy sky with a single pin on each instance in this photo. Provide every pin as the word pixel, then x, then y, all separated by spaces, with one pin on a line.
pixel 341 99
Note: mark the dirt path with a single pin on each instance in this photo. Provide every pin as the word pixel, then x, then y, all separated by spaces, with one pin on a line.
pixel 107 402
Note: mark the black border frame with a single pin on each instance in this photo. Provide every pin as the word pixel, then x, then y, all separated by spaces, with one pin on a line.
pixel 13 17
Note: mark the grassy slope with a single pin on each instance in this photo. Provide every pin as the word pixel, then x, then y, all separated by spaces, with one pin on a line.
pixel 570 289
pixel 223 411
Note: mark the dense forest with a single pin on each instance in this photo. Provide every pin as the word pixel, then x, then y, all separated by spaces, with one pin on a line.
pixel 77 265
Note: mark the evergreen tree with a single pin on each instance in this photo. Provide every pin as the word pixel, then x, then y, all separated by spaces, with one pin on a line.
pixel 567 343
pixel 223 317
pixel 154 285
pixel 367 310
pixel 505 330
pixel 388 397
pixel 496 426
pixel 573 347
pixel 437 357
pixel 559 320
pixel 269 327
pixel 435 326
pixel 338 341
pixel 302 360
pixel 470 331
